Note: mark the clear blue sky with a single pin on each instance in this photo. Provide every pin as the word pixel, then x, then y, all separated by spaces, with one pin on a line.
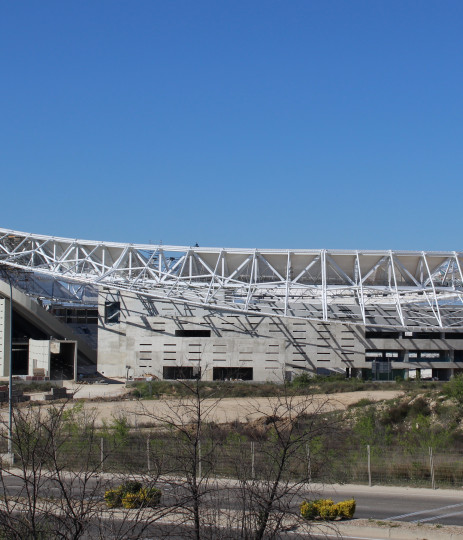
pixel 301 124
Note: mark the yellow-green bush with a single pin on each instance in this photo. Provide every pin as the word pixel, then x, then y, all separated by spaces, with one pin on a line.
pixel 346 509
pixel 113 498
pixel 309 510
pixel 131 500
pixel 327 510
pixel 151 496
pixel 145 498
pixel 124 495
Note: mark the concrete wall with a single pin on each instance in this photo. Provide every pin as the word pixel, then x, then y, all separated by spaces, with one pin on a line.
pixel 39 356
pixel 145 339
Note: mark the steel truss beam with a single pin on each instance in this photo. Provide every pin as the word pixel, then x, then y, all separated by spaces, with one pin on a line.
pixel 374 288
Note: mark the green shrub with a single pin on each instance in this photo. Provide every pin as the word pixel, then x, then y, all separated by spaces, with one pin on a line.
pixel 419 406
pixel 309 509
pixel 150 497
pixel 327 510
pixel 145 498
pixel 131 500
pixel 113 498
pixel 131 486
pixel 454 388
pixel 396 413
pixel 346 509
pixel 303 380
pixel 132 494
pixel 364 402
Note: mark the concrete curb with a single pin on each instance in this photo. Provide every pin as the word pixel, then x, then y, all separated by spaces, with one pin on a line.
pixel 398 531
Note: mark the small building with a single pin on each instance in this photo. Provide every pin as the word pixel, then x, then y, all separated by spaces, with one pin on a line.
pixel 53 358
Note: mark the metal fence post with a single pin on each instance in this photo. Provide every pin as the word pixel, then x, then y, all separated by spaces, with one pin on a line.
pixel 148 462
pixel 101 453
pixel 309 465
pixel 253 470
pixel 369 464
pixel 431 466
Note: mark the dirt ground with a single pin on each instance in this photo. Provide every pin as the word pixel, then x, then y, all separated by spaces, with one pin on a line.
pixel 151 412
pixel 145 412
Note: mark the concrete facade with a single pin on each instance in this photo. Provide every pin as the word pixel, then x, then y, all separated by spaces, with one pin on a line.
pixel 137 338
pixel 42 353
pixel 39 356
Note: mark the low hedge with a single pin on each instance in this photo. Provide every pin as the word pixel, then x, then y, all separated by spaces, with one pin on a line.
pixel 145 498
pixel 327 510
pixel 132 495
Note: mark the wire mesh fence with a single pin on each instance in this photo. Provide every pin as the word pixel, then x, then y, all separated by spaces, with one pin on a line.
pixel 374 465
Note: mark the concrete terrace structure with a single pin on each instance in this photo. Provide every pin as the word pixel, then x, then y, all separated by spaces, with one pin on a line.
pixel 175 312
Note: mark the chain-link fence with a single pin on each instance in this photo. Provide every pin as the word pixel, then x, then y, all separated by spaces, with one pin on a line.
pixel 372 465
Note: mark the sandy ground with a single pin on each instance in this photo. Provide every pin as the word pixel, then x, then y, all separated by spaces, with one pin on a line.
pixel 225 410
pixel 92 391
pixel 146 412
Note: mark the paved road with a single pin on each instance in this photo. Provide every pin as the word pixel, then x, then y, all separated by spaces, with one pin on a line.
pixel 416 505
pixel 380 503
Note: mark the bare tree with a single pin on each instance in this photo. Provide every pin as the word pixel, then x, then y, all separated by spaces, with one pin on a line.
pixel 184 452
pixel 55 488
pixel 260 496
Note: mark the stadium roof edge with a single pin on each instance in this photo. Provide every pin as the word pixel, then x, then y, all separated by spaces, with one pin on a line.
pixel 149 247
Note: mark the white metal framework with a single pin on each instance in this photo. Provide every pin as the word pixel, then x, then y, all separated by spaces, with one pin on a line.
pixel 372 288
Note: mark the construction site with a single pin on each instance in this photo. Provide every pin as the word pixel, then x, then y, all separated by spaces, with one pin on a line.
pixel 137 311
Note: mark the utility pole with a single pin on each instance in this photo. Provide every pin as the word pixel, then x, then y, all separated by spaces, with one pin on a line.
pixel 10 376
pixel 10 380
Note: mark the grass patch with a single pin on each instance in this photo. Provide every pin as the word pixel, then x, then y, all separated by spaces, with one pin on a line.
pixel 364 402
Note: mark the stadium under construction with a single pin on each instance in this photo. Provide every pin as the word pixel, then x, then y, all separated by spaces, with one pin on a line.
pixel 128 310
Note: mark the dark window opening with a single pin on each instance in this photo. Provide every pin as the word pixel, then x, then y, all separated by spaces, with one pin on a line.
pixel 454 335
pixel 346 310
pixel 426 335
pixel 184 372
pixel 62 363
pixel 20 358
pixel 192 333
pixel 373 355
pixel 382 334
pixel 112 312
pixel 232 373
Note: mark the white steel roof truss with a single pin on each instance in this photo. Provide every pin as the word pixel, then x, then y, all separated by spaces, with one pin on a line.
pixel 396 289
pixel 375 267
pixel 361 298
pixel 435 303
pixel 262 279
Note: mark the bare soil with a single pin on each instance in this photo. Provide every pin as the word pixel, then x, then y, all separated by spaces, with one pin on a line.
pixel 145 412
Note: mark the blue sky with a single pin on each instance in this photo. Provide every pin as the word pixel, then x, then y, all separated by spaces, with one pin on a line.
pixel 301 124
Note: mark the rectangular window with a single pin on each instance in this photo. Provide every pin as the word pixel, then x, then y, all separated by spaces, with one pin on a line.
pixel 432 355
pixel 232 373
pixel 112 312
pixel 382 334
pixel 454 335
pixel 176 372
pixel 192 333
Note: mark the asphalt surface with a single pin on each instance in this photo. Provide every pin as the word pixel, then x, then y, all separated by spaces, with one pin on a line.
pixel 417 505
